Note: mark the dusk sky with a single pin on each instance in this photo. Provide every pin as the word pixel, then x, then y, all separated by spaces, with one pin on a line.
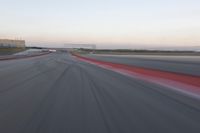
pixel 107 23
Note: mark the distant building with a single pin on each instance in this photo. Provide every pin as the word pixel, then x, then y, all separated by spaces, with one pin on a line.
pixel 7 43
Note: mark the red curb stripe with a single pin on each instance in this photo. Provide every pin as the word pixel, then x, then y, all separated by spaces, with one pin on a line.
pixel 178 77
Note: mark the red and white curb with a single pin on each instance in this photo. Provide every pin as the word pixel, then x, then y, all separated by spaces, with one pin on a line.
pixel 183 83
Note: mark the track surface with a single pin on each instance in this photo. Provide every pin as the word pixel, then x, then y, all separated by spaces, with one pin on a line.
pixel 181 64
pixel 56 93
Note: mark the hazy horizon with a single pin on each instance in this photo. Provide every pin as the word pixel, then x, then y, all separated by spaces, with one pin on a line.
pixel 109 24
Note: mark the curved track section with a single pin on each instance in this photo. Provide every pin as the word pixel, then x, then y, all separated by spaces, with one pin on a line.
pixel 57 93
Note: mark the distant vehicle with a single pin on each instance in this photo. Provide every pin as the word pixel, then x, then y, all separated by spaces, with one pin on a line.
pixel 52 50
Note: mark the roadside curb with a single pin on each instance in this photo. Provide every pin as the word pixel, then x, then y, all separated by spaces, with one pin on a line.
pixel 165 78
pixel 22 57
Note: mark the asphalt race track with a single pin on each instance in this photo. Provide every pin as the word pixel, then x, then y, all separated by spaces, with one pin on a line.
pixel 57 93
